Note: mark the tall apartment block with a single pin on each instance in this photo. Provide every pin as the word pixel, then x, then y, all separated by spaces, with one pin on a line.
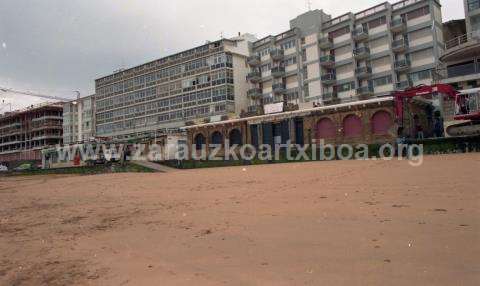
pixel 203 84
pixel 460 64
pixel 472 15
pixel 78 120
pixel 24 133
pixel 325 60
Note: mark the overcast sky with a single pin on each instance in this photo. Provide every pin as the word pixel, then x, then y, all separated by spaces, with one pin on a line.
pixel 57 46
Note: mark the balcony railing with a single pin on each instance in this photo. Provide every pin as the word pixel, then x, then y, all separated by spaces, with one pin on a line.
pixel 473 37
pixel 364 91
pixel 254 92
pixel 329 78
pixel 361 53
pixel 325 43
pixel 278 88
pixel 398 25
pixel 254 76
pixel 278 71
pixel 327 60
pixel 402 85
pixel 276 54
pixel 254 60
pixel 360 34
pixel 400 45
pixel 402 65
pixel 329 96
pixel 363 72
pixel 463 70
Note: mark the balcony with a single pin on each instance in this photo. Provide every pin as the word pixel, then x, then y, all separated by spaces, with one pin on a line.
pixel 398 25
pixel 463 69
pixel 325 43
pixel 327 61
pixel 252 110
pixel 329 79
pixel 361 53
pixel 363 72
pixel 462 47
pixel 364 92
pixel 360 34
pixel 278 71
pixel 254 93
pixel 276 54
pixel 329 97
pixel 254 60
pixel 402 85
pixel 399 46
pixel 254 76
pixel 402 65
pixel 279 88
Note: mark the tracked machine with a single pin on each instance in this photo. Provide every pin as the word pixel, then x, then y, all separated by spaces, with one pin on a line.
pixel 460 110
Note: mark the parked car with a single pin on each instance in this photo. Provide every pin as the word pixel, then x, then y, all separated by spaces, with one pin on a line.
pixel 3 168
pixel 24 167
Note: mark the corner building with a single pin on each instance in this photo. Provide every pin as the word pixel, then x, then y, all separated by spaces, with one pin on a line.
pixel 204 84
pixel 323 60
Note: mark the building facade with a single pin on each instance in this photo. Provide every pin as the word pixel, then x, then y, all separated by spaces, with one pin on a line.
pixel 325 60
pixel 370 121
pixel 460 64
pixel 472 15
pixel 24 133
pixel 78 120
pixel 203 84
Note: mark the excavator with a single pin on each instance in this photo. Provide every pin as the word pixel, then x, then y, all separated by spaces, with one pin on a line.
pixel 460 109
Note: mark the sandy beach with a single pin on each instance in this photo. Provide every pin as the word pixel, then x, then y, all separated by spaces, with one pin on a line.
pixel 319 223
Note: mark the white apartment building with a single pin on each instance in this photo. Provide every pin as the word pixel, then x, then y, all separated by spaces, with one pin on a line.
pixel 460 64
pixel 78 120
pixel 472 15
pixel 325 60
pixel 199 85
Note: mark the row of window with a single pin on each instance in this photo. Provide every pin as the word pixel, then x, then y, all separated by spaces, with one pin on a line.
pixel 416 76
pixel 216 61
pixel 183 101
pixel 163 61
pixel 213 79
pixel 200 111
pixel 383 20
pixel 284 46
pixel 284 63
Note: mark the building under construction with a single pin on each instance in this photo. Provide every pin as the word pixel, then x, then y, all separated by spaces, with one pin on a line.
pixel 25 132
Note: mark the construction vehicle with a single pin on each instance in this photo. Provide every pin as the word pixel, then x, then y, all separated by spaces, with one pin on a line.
pixel 460 110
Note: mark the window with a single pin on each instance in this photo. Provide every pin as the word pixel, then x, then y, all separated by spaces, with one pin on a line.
pixel 339 32
pixel 265 52
pixel 377 22
pixel 418 13
pixel 290 61
pixel 287 45
pixel 473 5
pixel 421 75
pixel 266 68
pixel 346 86
pixel 382 80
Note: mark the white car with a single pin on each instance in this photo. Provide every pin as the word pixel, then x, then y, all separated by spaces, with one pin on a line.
pixel 3 168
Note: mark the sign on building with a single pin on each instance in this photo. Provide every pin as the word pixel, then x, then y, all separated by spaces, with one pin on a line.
pixel 273 108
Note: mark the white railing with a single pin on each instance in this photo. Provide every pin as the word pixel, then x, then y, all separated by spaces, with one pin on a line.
pixel 371 11
pixel 463 39
pixel 404 4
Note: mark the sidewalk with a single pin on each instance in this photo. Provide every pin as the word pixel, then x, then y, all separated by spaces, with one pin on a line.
pixel 154 166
